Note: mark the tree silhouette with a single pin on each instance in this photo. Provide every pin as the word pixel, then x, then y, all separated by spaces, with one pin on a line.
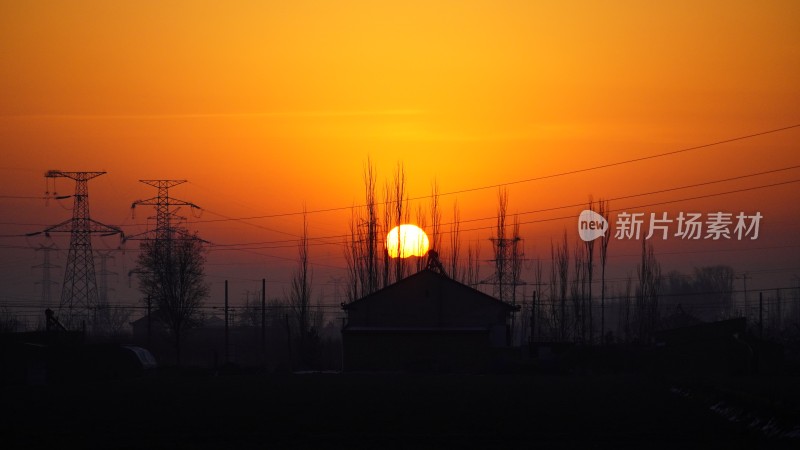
pixel 559 281
pixel 300 297
pixel 455 248
pixel 400 215
pixel 171 273
pixel 647 293
pixel 602 207
pixel 587 304
pixel 362 254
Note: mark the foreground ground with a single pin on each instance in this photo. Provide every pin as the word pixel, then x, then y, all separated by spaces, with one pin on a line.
pixel 355 411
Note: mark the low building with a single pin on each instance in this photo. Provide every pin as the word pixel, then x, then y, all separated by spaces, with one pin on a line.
pixel 425 322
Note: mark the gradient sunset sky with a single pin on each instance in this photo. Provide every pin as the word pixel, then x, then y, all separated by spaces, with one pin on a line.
pixel 270 106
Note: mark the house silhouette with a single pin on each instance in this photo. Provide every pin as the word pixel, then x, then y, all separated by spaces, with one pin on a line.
pixel 425 322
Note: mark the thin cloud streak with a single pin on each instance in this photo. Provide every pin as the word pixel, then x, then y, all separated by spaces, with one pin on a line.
pixel 271 114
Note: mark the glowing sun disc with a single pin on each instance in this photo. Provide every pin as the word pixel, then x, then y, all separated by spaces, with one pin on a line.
pixel 412 241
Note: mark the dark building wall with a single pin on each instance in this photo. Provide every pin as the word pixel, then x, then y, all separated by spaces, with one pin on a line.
pixel 437 351
pixel 428 300
pixel 426 322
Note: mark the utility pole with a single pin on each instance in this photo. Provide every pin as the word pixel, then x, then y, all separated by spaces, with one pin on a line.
pixel 744 278
pixel 226 323
pixel 533 318
pixel 288 341
pixel 79 291
pixel 264 319
pixel 149 321
pixel 797 299
pixel 761 315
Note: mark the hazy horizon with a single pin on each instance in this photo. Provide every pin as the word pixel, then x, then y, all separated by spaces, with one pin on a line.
pixel 267 108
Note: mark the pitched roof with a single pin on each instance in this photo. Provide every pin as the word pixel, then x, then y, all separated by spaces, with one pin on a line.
pixel 433 276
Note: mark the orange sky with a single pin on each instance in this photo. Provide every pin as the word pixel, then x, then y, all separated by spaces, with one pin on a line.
pixel 266 106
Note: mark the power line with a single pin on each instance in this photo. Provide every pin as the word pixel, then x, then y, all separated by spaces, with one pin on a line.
pixel 560 174
pixel 528 180
pixel 24 197
pixel 660 191
pixel 735 191
pixel 555 208
pixel 242 220
pixel 225 218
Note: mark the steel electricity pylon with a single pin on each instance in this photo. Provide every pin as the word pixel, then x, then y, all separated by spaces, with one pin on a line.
pixel 166 228
pixel 103 274
pixel 163 203
pixel 46 298
pixel 79 292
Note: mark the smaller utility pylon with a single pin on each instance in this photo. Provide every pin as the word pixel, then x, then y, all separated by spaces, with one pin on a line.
pixel 102 312
pixel 102 276
pixel 166 218
pixel 165 232
pixel 46 299
pixel 163 203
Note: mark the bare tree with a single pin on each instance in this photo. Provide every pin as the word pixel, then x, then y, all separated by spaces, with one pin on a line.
pixel 554 316
pixel 171 272
pixel 8 321
pixel 649 272
pixel 507 253
pixel 473 275
pixel 318 314
pixel 371 237
pixel 354 257
pixel 602 207
pixel 709 287
pixel 422 222
pixel 625 310
pixel 300 291
pixel 500 246
pixel 250 312
pixel 361 251
pixel 436 218
pixel 111 320
pixel 387 220
pixel 587 311
pixel 578 292
pixel 560 281
pixel 715 283
pixel 400 215
pixel 517 258
pixel 517 254
pixel 537 321
pixel 455 244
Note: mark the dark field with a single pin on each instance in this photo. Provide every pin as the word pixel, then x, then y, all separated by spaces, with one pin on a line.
pixel 197 410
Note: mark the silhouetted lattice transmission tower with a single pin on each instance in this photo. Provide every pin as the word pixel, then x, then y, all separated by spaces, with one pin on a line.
pixel 509 256
pixel 79 293
pixel 165 228
pixel 46 299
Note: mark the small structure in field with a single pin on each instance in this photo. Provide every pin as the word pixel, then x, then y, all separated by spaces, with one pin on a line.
pixel 425 322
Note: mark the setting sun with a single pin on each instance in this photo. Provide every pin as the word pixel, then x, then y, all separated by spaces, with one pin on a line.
pixel 412 241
